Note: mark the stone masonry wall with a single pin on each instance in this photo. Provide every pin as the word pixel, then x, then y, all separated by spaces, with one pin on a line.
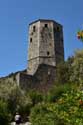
pixel 33 48
pixel 46 51
pixel 42 80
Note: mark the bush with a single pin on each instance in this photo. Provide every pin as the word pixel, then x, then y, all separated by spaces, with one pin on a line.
pixel 57 91
pixel 66 110
pixel 42 115
pixel 35 96
pixel 63 74
pixel 16 99
pixel 77 66
pixel 4 114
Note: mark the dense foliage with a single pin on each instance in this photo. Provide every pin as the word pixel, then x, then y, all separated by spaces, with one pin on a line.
pixel 72 69
pixel 62 105
pixel 16 100
pixel 4 114
pixel 66 110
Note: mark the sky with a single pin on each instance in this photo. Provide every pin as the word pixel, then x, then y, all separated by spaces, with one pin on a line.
pixel 15 16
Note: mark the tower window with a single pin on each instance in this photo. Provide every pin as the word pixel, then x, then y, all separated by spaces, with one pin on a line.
pixel 34 28
pixel 30 40
pixel 50 44
pixel 48 53
pixel 46 25
pixel 58 29
pixel 62 39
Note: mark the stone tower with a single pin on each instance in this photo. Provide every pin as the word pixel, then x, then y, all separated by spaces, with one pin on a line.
pixel 45 52
pixel 45 44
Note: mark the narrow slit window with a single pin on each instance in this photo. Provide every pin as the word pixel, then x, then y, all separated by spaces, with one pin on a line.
pixel 46 25
pixel 34 28
pixel 62 39
pixel 50 44
pixel 30 40
pixel 48 53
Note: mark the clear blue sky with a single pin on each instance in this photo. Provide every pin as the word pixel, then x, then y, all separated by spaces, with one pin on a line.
pixel 15 15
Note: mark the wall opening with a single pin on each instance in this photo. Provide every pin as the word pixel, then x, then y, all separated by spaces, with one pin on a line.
pixel 58 29
pixel 34 28
pixel 48 53
pixel 46 25
pixel 50 44
pixel 30 40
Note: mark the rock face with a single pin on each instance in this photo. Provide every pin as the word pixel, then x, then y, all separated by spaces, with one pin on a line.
pixel 45 51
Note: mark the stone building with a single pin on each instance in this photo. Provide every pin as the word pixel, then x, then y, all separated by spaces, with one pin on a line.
pixel 45 51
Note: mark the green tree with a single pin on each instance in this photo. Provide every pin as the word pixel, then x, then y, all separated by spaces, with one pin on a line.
pixel 17 100
pixel 41 114
pixel 67 110
pixel 62 73
pixel 35 96
pixel 4 113
pixel 77 67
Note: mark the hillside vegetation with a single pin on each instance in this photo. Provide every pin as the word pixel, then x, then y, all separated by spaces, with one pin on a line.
pixel 62 105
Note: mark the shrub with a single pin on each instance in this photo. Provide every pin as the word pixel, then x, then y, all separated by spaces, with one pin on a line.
pixel 42 115
pixel 57 91
pixel 66 110
pixel 35 96
pixel 4 114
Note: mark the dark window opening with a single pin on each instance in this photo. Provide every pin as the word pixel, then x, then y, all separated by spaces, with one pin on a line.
pixel 32 33
pixel 58 29
pixel 62 39
pixel 34 28
pixel 50 44
pixel 46 25
pixel 31 40
pixel 48 53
